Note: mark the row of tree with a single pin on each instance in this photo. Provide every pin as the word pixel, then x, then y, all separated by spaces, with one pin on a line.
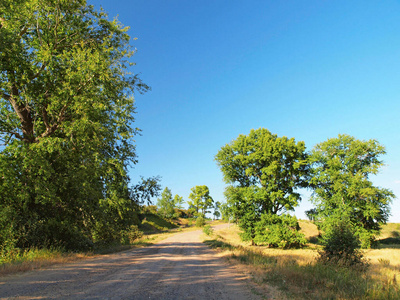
pixel 198 206
pixel 266 173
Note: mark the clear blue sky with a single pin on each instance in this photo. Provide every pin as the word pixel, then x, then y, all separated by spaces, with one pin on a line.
pixel 303 69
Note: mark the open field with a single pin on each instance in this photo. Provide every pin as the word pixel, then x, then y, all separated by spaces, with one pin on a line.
pixel 297 275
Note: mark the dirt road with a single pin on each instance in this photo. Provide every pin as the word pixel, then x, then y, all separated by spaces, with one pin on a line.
pixel 179 267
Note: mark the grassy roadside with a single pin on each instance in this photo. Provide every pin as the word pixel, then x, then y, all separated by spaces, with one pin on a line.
pixel 31 259
pixel 297 275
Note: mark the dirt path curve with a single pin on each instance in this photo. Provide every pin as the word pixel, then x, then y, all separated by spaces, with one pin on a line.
pixel 179 267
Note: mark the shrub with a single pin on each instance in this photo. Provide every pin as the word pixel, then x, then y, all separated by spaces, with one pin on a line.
pixel 200 221
pixel 367 238
pixel 149 209
pixel 208 230
pixel 130 235
pixel 340 246
pixel 279 231
pixel 395 234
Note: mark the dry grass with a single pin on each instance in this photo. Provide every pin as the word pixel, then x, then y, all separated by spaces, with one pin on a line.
pixel 299 276
pixel 308 228
pixel 390 230
pixel 39 258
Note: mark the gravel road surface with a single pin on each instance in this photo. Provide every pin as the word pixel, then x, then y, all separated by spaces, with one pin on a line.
pixel 179 267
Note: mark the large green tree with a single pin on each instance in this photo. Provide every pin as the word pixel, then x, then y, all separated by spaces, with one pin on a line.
pixel 264 172
pixel 341 168
pixel 66 116
pixel 200 200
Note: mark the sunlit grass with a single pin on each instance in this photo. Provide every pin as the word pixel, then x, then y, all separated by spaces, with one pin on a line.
pixel 390 230
pixel 16 260
pixel 298 274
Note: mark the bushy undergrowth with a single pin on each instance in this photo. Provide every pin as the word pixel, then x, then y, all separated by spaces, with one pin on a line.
pixel 200 222
pixel 16 255
pixel 131 235
pixel 340 247
pixel 279 231
pixel 208 230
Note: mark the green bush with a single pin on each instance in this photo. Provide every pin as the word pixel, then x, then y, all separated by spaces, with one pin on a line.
pixel 130 235
pixel 366 237
pixel 149 209
pixel 278 231
pixel 200 221
pixel 208 230
pixel 340 246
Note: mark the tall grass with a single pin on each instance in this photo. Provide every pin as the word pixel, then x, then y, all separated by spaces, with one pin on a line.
pixel 298 274
pixel 14 260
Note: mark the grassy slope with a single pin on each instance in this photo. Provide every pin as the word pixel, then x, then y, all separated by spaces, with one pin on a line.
pixel 154 223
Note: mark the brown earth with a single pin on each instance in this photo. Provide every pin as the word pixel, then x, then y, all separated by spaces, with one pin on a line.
pixel 179 267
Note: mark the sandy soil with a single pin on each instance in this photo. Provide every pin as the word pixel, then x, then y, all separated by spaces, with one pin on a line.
pixel 179 267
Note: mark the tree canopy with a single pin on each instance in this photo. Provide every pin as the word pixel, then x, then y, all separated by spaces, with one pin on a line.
pixel 66 122
pixel 167 205
pixel 264 172
pixel 277 165
pixel 200 200
pixel 340 178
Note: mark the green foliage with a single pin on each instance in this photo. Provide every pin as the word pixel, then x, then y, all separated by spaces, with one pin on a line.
pixel 217 208
pixel 277 165
pixel 200 200
pixel 146 189
pixel 227 212
pixel 312 214
pixel 278 231
pixel 18 256
pixel 208 230
pixel 340 246
pixel 340 178
pixel 131 234
pixel 66 125
pixel 200 221
pixel 148 209
pixel 264 172
pixel 168 206
pixel 244 203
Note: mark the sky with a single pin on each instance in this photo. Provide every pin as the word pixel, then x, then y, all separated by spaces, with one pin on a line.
pixel 219 68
